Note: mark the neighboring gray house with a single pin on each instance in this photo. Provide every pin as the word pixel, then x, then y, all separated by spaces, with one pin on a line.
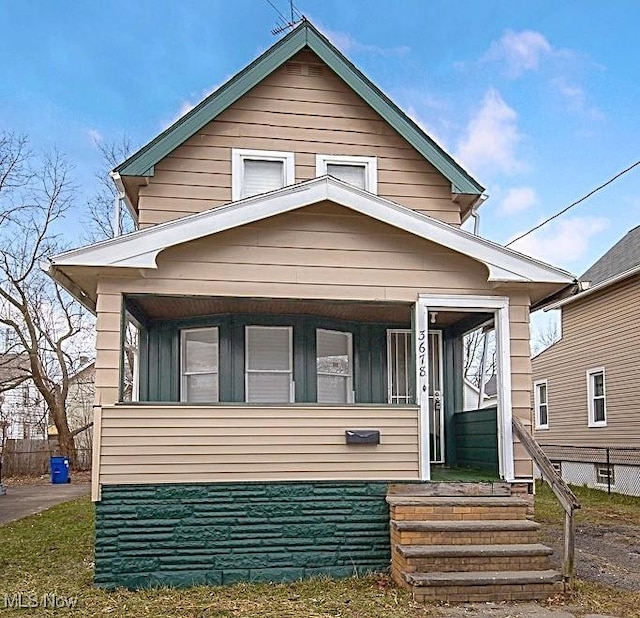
pixel 586 388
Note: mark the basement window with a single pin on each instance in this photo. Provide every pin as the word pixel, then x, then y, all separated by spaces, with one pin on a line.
pixel 605 475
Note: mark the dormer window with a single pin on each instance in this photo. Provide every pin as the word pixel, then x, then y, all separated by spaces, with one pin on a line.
pixel 361 172
pixel 260 171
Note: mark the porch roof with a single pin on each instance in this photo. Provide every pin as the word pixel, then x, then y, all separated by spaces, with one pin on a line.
pixel 139 250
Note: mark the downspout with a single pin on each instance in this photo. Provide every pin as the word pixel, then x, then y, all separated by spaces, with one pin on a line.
pixel 117 201
pixel 474 213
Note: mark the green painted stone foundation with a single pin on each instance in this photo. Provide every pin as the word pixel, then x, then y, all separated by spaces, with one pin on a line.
pixel 222 533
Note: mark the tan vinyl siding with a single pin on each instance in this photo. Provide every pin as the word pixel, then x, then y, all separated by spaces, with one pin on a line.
pixel 173 444
pixel 320 252
pixel 602 330
pixel 520 376
pixel 300 114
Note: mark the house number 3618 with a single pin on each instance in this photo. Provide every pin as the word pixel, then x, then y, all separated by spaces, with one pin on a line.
pixel 422 350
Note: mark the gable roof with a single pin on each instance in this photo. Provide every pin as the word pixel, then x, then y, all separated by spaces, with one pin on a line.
pixel 623 256
pixel 140 249
pixel 619 263
pixel 305 35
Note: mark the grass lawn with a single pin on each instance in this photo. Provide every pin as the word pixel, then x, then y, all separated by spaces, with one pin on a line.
pixel 598 507
pixel 52 553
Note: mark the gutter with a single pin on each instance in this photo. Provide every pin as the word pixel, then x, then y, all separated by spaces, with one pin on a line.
pixel 122 195
pixel 584 289
pixel 474 212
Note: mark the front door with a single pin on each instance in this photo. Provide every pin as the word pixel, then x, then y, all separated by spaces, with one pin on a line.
pixel 436 404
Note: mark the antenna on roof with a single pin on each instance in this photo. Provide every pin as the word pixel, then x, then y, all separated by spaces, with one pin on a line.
pixel 284 23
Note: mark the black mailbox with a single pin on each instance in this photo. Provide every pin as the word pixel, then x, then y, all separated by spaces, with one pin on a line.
pixel 362 436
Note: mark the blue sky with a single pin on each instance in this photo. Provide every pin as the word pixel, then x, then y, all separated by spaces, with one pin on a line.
pixel 539 100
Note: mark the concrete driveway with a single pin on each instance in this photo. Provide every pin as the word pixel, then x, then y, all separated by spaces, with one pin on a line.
pixel 29 499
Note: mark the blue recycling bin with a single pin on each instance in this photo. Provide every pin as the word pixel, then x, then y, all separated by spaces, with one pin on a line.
pixel 60 470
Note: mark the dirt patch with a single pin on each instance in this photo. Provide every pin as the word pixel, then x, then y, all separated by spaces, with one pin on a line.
pixel 605 554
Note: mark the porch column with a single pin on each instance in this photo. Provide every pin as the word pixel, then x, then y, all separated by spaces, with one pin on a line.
pixel 421 338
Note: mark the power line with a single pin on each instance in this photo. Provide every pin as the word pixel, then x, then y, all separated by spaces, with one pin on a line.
pixel 277 10
pixel 570 206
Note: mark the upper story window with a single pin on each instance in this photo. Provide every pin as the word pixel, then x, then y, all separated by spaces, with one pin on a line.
pixel 361 172
pixel 334 366
pixel 596 397
pixel 269 364
pixel 259 171
pixel 199 371
pixel 540 395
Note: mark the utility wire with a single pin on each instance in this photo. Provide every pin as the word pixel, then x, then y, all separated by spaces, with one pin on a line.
pixel 570 206
pixel 277 10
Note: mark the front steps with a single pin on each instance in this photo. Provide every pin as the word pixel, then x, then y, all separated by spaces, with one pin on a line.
pixel 474 545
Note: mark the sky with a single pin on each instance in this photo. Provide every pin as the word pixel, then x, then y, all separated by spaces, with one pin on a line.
pixel 538 100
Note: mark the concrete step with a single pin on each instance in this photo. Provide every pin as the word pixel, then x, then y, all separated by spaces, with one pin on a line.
pixel 462 558
pixel 468 532
pixel 484 586
pixel 450 489
pixel 456 507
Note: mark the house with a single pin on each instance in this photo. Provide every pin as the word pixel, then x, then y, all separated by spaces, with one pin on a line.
pixel 300 286
pixel 586 390
pixel 23 415
pixel 471 397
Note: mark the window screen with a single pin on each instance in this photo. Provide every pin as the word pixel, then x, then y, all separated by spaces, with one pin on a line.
pixel 260 176
pixel 542 405
pixel 334 366
pixel 200 365
pixel 398 365
pixel 269 364
pixel 353 174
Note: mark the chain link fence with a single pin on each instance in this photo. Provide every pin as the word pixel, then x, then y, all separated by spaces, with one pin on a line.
pixel 611 469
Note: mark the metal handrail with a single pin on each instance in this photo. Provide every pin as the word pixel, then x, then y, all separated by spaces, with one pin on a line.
pixel 561 490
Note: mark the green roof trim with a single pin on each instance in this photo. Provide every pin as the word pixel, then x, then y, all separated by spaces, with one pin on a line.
pixel 305 35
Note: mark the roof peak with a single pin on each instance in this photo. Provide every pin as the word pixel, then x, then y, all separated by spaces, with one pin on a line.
pixel 303 35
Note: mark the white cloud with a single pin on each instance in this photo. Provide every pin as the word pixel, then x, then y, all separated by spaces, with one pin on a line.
pixel 492 137
pixel 576 98
pixel 188 104
pixel 347 44
pixel 563 241
pixel 520 51
pixel 518 199
pixel 95 136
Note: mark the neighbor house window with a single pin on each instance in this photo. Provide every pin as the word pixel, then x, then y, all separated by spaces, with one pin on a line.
pixel 399 378
pixel 199 374
pixel 596 397
pixel 269 364
pixel 259 171
pixel 334 366
pixel 361 172
pixel 540 392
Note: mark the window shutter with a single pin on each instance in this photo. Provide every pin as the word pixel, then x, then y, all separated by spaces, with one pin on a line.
pixel 261 176
pixel 353 174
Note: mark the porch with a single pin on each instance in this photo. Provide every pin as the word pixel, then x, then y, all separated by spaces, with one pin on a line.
pixel 215 389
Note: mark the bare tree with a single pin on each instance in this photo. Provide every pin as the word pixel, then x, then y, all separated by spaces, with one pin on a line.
pixel 99 222
pixel 544 335
pixel 46 324
pixel 473 343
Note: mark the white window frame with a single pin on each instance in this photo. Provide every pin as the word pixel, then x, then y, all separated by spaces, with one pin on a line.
pixel 370 167
pixel 538 403
pixel 247 371
pixel 590 396
pixel 350 391
pixel 409 397
pixel 238 157
pixel 183 359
